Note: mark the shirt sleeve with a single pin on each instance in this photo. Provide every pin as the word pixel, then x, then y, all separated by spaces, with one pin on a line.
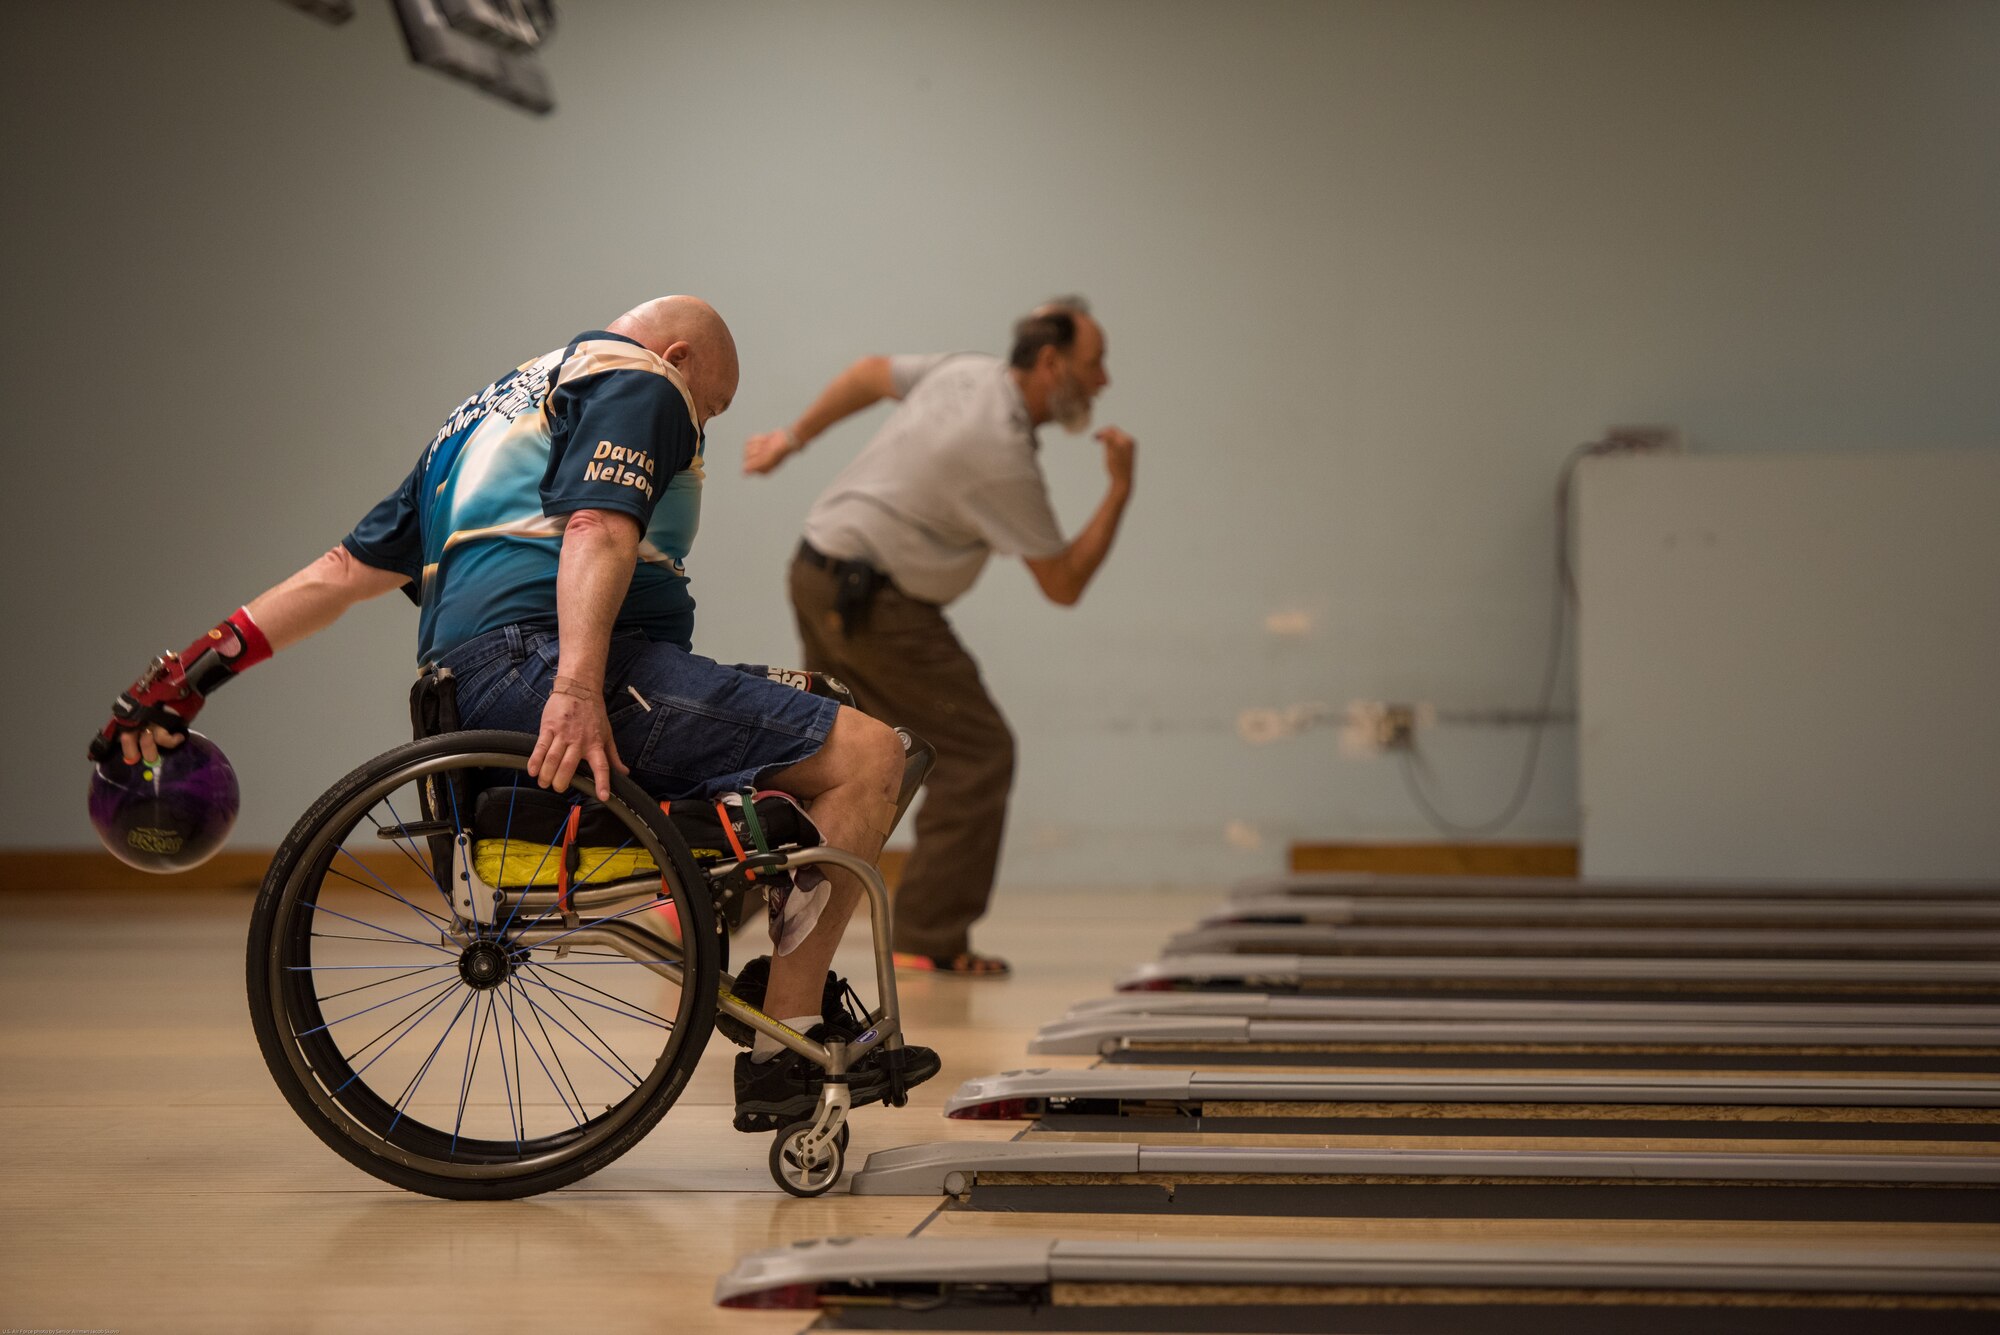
pixel 907 368
pixel 390 536
pixel 618 436
pixel 1013 516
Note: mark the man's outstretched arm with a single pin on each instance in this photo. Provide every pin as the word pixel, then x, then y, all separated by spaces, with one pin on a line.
pixel 156 709
pixel 318 596
pixel 862 385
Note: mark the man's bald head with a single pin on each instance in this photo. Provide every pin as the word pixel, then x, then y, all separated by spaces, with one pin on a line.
pixel 692 337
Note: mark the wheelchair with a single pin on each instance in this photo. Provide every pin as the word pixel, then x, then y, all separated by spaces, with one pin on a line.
pixel 474 988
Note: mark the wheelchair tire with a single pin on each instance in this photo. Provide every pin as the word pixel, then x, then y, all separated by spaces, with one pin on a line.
pixel 333 935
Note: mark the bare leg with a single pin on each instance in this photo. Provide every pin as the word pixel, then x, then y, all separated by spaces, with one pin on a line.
pixel 849 788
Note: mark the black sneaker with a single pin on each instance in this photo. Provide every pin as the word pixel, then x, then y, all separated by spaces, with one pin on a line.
pixel 773 1094
pixel 754 981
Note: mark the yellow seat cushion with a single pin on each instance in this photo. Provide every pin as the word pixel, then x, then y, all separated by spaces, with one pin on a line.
pixel 518 863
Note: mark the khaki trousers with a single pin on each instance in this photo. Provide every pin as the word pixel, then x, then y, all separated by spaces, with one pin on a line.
pixel 907 668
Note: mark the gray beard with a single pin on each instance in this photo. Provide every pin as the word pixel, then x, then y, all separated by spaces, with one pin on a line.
pixel 1069 407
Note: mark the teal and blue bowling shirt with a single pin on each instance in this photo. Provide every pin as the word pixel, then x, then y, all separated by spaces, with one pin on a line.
pixel 600 424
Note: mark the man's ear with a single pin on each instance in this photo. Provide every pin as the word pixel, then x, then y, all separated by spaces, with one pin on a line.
pixel 677 352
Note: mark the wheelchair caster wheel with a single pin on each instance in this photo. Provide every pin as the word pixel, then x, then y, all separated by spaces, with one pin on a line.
pixel 791 1169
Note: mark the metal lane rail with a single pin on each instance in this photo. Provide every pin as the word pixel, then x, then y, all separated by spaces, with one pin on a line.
pixel 1626 910
pixel 1607 978
pixel 1631 942
pixel 1463 1042
pixel 1687 1105
pixel 1351 1285
pixel 1310 884
pixel 1100 1177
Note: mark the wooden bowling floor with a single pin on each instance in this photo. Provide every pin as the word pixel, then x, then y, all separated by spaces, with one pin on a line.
pixel 154 1179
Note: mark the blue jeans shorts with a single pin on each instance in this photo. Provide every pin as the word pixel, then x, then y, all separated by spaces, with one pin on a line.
pixel 687 726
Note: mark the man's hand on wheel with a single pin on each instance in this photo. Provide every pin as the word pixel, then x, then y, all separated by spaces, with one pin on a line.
pixel 575 731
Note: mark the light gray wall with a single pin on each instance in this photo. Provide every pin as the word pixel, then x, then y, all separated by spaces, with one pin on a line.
pixel 1368 270
pixel 1787 667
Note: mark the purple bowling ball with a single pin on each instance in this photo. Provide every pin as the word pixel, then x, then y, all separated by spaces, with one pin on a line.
pixel 169 816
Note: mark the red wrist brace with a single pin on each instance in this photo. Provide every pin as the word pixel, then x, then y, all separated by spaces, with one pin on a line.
pixel 173 688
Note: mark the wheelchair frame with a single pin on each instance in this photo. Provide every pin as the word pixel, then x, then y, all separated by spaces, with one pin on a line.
pixel 817 1147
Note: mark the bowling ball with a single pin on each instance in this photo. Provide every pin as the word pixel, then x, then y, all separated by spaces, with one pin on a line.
pixel 169 815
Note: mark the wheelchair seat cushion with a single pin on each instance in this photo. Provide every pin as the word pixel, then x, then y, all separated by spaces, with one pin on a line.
pixel 518 835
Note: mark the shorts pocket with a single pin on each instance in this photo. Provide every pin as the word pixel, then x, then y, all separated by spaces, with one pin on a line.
pixel 684 750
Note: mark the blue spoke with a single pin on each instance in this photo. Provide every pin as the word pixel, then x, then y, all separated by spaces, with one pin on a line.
pixel 553 1054
pixel 514 1019
pixel 410 1091
pixel 409 848
pixel 324 968
pixel 317 1029
pixel 473 1033
pixel 379 982
pixel 553 968
pixel 577 1015
pixel 506 838
pixel 416 1013
pixel 376 890
pixel 386 887
pixel 500 1044
pixel 574 963
pixel 408 1026
pixel 318 907
pixel 625 1075
pixel 544 916
pixel 601 861
pixel 343 936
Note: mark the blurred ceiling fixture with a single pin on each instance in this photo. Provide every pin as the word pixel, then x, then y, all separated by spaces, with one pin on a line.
pixel 493 45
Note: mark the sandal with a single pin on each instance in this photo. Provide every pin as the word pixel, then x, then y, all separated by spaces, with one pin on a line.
pixel 964 965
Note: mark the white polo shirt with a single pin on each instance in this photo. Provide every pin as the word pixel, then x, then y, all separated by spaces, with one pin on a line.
pixel 951 477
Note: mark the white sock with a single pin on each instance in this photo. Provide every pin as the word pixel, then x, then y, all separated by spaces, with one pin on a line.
pixel 767 1047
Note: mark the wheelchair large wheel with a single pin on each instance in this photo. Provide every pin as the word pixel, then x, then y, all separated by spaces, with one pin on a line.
pixel 467 1050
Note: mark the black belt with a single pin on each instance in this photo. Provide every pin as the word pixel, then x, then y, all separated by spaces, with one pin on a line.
pixel 813 556
pixel 856 584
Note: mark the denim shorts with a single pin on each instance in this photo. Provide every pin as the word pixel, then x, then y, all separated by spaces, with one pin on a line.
pixel 687 726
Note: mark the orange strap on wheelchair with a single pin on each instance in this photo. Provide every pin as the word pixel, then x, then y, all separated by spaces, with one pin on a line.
pixel 569 844
pixel 729 833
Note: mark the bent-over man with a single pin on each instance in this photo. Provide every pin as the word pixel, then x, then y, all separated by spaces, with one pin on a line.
pixel 952 477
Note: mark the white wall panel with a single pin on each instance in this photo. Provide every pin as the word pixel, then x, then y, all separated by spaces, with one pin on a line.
pixel 1789 666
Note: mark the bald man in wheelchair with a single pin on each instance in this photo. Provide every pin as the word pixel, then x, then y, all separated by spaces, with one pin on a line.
pixel 542 535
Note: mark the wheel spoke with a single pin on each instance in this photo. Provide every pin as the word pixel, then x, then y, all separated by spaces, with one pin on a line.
pixel 387 889
pixel 636 1011
pixel 355 1015
pixel 379 982
pixel 378 890
pixel 474 1032
pixel 506 1087
pixel 410 1090
pixel 407 1024
pixel 408 845
pixel 375 926
pixel 628 1075
pixel 554 1056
